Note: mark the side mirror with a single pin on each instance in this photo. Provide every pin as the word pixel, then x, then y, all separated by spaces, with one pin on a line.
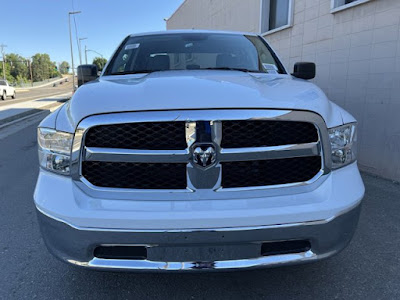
pixel 304 70
pixel 86 73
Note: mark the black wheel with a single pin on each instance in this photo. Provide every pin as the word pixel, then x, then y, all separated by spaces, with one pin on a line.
pixel 14 95
pixel 4 95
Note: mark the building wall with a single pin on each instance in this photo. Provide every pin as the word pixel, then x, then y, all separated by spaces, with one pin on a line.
pixel 217 14
pixel 357 52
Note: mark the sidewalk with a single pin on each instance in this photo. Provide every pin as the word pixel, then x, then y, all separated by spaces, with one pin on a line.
pixel 12 112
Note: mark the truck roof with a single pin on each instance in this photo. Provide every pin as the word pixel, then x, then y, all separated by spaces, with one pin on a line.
pixel 166 32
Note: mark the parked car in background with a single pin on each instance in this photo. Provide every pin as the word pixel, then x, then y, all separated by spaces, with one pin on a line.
pixel 6 90
pixel 197 150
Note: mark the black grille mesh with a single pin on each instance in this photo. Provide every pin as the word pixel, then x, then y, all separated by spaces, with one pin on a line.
pixel 171 136
pixel 269 172
pixel 258 133
pixel 135 175
pixel 146 136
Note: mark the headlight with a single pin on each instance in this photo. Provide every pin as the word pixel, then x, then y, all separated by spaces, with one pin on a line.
pixel 55 150
pixel 343 144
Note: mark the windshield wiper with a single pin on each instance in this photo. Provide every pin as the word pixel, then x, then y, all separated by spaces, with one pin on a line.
pixel 233 69
pixel 135 72
pixel 216 68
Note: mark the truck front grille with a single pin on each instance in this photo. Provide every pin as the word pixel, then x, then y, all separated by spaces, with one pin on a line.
pixel 149 135
pixel 135 175
pixel 257 133
pixel 269 172
pixel 167 155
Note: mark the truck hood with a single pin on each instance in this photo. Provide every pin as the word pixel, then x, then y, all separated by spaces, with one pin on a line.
pixel 178 90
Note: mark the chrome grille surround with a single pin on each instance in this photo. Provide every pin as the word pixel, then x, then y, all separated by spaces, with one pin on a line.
pixel 205 183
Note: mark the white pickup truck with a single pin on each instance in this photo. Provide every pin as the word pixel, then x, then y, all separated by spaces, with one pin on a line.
pixel 6 90
pixel 197 150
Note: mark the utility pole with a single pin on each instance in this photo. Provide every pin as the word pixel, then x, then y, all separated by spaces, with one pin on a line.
pixel 30 70
pixel 2 46
pixel 80 48
pixel 72 52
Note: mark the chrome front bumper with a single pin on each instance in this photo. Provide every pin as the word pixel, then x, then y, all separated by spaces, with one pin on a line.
pixel 76 246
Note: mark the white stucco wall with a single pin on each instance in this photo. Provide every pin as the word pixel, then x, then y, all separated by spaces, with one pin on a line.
pixel 240 15
pixel 357 52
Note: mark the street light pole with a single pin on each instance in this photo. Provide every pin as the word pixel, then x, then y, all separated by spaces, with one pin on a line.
pixel 80 49
pixel 88 50
pixel 70 41
pixel 3 56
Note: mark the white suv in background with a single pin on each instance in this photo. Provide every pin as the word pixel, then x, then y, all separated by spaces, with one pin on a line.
pixel 6 90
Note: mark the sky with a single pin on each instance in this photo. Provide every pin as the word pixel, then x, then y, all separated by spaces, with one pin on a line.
pixel 41 26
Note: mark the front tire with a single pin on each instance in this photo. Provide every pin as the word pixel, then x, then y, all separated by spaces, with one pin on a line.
pixel 4 96
pixel 14 95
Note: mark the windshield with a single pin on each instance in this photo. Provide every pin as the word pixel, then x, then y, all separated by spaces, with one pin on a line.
pixel 193 51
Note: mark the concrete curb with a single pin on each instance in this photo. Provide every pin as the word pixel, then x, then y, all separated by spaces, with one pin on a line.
pixel 30 112
pixel 43 112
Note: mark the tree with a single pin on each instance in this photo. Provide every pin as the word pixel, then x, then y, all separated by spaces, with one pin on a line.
pixel 64 67
pixel 18 66
pixel 100 62
pixel 54 70
pixel 43 68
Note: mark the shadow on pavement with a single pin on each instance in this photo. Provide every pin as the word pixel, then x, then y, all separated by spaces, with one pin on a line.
pixel 61 100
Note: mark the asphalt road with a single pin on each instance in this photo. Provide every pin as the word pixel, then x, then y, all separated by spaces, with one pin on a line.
pixel 368 269
pixel 46 91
